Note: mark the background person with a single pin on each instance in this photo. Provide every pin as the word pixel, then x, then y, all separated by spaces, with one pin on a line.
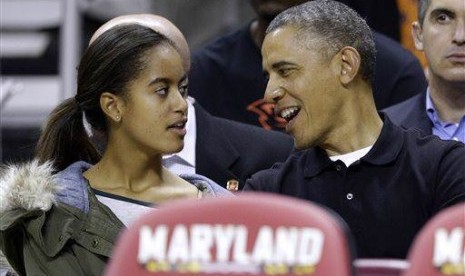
pixel 440 109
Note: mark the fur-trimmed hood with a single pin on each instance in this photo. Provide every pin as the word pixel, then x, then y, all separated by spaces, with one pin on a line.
pixel 33 186
pixel 29 186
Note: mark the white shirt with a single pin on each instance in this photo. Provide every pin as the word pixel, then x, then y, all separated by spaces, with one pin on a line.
pixel 184 161
pixel 351 157
pixel 125 210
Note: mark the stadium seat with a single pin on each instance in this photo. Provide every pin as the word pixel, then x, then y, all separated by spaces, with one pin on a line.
pixel 439 248
pixel 251 234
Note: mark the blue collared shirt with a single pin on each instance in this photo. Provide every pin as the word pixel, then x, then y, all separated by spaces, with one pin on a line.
pixel 444 130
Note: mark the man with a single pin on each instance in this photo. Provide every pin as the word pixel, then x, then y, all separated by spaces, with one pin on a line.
pixel 226 76
pixel 225 151
pixel 440 110
pixel 385 182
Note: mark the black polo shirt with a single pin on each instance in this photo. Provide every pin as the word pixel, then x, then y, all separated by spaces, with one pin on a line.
pixel 386 196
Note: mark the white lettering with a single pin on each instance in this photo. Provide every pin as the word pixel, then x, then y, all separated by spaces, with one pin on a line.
pixel 310 246
pixel 240 246
pixel 282 246
pixel 448 246
pixel 224 236
pixel 263 248
pixel 286 245
pixel 179 246
pixel 152 246
pixel 201 242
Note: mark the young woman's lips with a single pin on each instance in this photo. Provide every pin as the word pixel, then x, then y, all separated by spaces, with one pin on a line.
pixel 179 127
pixel 179 131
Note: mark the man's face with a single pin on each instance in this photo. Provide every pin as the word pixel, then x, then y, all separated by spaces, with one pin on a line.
pixel 304 86
pixel 269 9
pixel 442 37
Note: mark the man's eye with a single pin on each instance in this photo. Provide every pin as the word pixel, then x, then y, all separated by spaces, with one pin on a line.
pixel 442 18
pixel 284 71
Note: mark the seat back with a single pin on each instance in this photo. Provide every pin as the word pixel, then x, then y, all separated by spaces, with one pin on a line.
pixel 380 267
pixel 439 248
pixel 251 234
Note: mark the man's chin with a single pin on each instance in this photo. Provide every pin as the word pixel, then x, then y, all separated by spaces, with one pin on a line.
pixel 301 145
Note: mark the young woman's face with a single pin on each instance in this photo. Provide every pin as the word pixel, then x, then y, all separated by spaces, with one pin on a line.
pixel 154 113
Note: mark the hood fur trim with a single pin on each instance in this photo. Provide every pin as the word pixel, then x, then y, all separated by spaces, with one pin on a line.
pixel 29 186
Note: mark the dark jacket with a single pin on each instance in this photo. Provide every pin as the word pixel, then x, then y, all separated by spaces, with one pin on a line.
pixel 53 224
pixel 411 114
pixel 228 150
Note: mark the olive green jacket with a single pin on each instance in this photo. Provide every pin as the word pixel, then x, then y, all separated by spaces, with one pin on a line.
pixel 53 224
pixel 55 238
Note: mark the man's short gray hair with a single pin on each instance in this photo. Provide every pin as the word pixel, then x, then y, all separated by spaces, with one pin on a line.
pixel 335 26
pixel 422 7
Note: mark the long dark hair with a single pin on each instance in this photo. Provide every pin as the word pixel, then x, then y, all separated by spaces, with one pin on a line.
pixel 110 63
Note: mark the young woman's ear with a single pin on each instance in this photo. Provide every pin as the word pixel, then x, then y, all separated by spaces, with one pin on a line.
pixel 111 105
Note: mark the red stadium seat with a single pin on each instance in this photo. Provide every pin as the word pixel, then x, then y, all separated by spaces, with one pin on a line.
pixel 252 234
pixel 439 248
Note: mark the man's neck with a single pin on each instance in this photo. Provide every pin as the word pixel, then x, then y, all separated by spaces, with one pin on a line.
pixel 448 100
pixel 359 128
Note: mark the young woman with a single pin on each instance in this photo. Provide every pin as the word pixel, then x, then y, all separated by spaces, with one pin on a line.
pixel 131 88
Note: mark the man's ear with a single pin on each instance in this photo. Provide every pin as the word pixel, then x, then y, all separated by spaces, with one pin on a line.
pixel 417 33
pixel 349 64
pixel 112 106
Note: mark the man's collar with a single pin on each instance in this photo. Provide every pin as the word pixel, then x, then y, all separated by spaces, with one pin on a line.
pixel 388 145
pixel 430 109
pixel 385 150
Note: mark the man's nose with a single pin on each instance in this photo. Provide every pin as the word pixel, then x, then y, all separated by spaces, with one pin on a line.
pixel 459 34
pixel 273 93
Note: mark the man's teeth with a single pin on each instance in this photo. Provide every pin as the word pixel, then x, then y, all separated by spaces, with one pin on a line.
pixel 289 113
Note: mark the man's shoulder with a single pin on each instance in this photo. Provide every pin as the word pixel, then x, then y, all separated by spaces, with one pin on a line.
pixel 428 147
pixel 401 112
pixel 270 180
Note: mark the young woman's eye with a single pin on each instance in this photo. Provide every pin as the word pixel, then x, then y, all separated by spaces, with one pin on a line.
pixel 183 90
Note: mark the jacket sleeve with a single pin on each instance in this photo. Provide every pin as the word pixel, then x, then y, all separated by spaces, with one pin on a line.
pixel 13 236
